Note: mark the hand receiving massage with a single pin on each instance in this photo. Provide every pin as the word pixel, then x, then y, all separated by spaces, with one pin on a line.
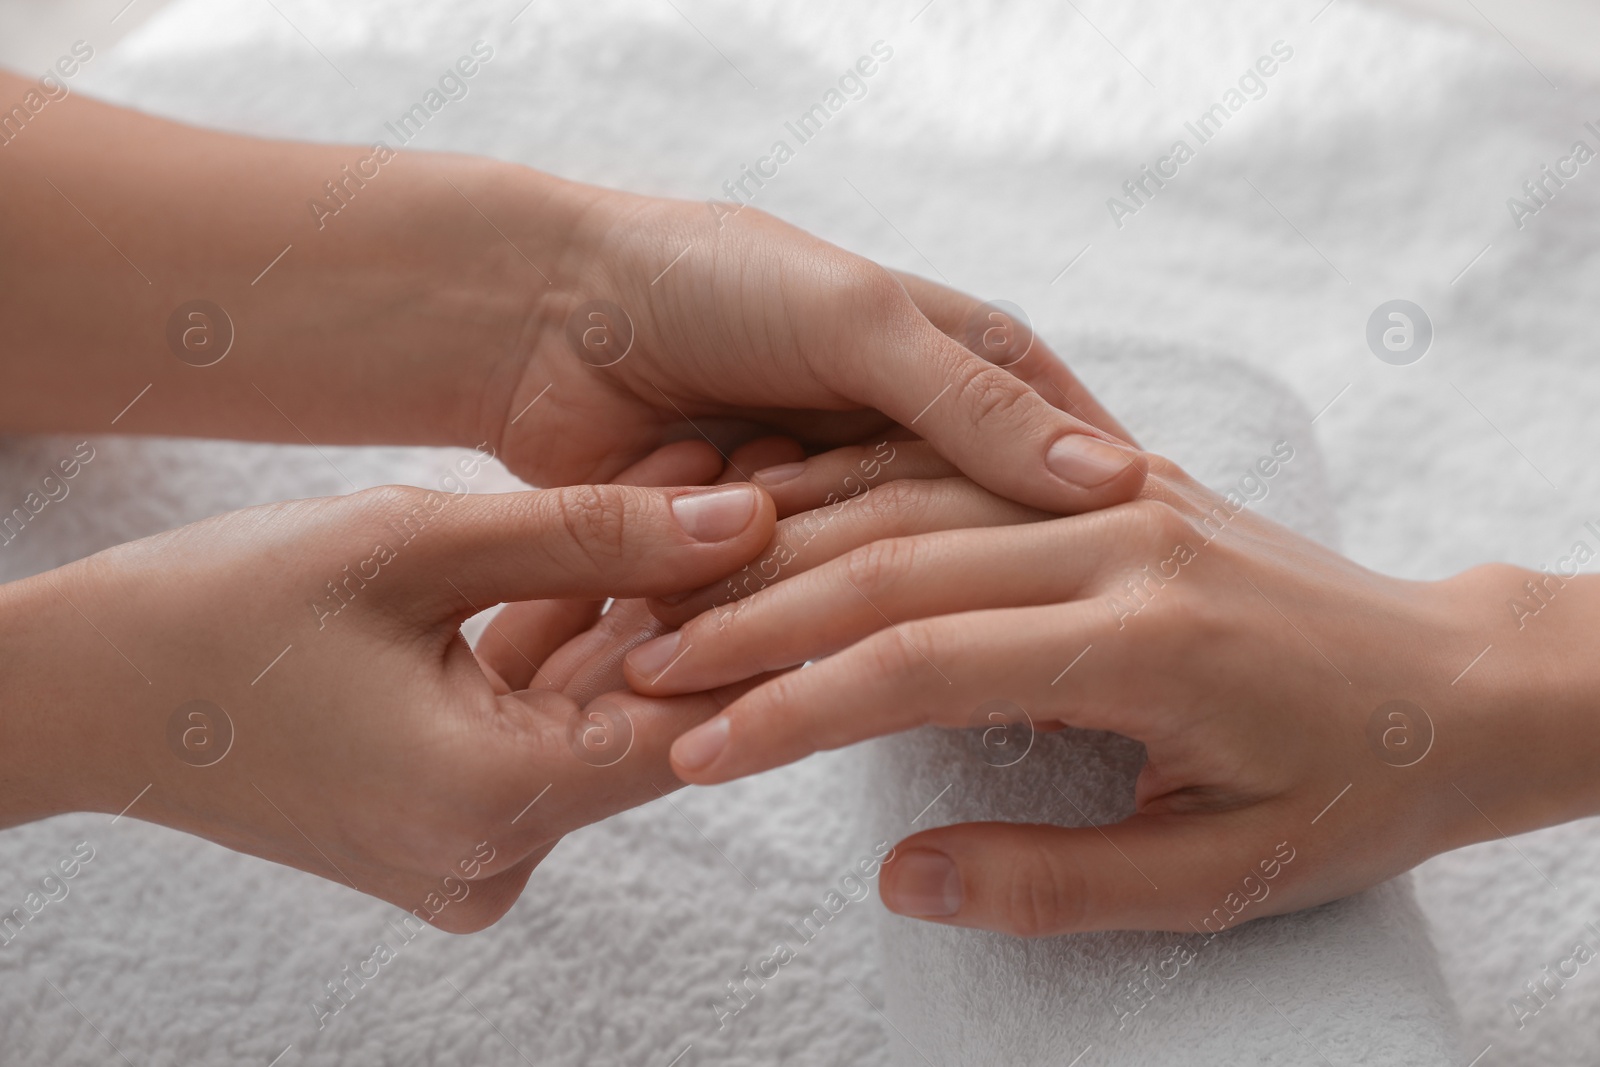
pixel 1254 665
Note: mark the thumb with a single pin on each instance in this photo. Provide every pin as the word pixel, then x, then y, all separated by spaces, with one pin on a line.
pixel 982 327
pixel 995 427
pixel 584 541
pixel 1148 872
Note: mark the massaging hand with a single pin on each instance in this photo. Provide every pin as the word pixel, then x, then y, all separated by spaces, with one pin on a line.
pixel 440 299
pixel 1256 667
pixel 358 738
pixel 669 315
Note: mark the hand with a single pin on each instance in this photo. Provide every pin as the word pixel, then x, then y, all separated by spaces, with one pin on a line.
pixel 426 298
pixel 347 728
pixel 1257 668
pixel 731 329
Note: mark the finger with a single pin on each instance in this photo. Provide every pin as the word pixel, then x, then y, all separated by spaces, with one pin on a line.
pixel 940 671
pixel 579 751
pixel 994 332
pixel 810 426
pixel 581 541
pixel 497 685
pixel 680 463
pixel 806 484
pixel 758 454
pixel 801 542
pixel 522 636
pixel 591 663
pixel 998 430
pixel 1188 873
pixel 884 582
pixel 593 761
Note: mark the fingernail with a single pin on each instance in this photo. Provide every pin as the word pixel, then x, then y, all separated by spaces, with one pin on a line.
pixel 717 514
pixel 652 656
pixel 783 472
pixel 925 885
pixel 700 747
pixel 1086 461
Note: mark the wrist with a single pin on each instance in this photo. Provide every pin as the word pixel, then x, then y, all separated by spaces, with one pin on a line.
pixel 542 257
pixel 588 307
pixel 1527 716
pixel 345 295
pixel 49 737
pixel 415 323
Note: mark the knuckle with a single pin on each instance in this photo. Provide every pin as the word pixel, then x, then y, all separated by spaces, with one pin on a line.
pixel 749 712
pixel 389 500
pixel 1160 467
pixel 595 520
pixel 869 293
pixel 749 716
pixel 1152 524
pixel 1191 626
pixel 1493 576
pixel 992 393
pixel 900 501
pixel 1043 897
pixel 876 292
pixel 899 651
pixel 890 507
pixel 874 568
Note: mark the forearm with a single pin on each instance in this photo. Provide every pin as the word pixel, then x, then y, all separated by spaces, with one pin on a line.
pixel 392 312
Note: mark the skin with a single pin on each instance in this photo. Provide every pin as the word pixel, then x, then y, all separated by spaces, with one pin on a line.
pixel 378 751
pixel 1255 672
pixel 435 309
pixel 447 302
pixel 438 307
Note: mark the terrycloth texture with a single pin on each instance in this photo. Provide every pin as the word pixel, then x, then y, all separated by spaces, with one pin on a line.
pixel 990 144
pixel 1351 982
